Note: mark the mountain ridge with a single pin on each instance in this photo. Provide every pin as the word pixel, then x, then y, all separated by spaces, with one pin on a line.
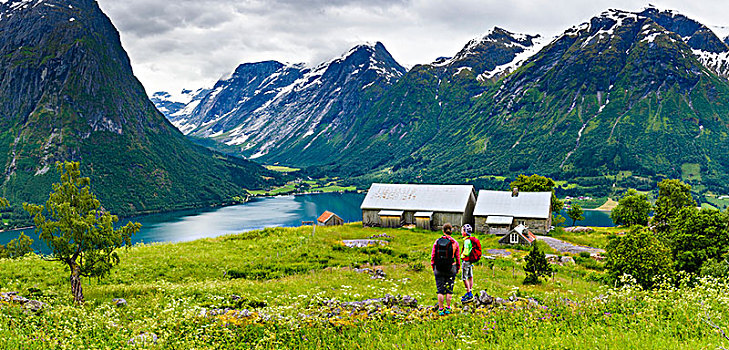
pixel 68 93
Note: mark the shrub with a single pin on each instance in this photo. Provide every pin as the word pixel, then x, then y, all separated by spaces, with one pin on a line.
pixel 639 254
pixel 536 266
pixel 416 266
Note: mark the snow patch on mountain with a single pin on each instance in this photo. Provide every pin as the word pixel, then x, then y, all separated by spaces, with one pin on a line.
pixel 717 62
pixel 528 51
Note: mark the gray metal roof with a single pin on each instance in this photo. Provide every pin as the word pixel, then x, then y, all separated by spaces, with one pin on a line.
pixel 525 205
pixel 499 220
pixel 423 214
pixel 437 198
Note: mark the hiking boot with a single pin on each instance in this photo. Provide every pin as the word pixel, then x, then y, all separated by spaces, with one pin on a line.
pixel 447 311
pixel 441 312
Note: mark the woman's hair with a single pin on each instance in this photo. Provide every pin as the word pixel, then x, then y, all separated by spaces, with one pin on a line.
pixel 447 229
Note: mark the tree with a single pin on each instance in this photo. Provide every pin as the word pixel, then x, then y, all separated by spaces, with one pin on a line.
pixel 697 236
pixel 536 265
pixel 575 213
pixel 632 209
pixel 19 247
pixel 672 196
pixel 79 232
pixel 640 254
pixel 538 183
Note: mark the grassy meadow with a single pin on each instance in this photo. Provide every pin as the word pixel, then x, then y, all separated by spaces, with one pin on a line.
pixel 292 282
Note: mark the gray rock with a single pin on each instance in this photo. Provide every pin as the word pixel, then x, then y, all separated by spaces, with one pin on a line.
pixel 500 301
pixel 35 306
pixel 409 301
pixel 379 274
pixel 119 302
pixel 484 299
pixel 567 260
pixel 144 339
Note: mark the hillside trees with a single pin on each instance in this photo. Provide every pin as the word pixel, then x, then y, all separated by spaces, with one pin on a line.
pixel 640 254
pixel 673 195
pixel 632 209
pixel 696 236
pixel 79 232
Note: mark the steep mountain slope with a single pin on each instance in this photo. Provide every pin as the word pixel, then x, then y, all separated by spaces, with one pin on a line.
pixel 626 93
pixel 404 134
pixel 67 92
pixel 289 113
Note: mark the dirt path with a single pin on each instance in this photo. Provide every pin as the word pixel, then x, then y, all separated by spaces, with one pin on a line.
pixel 567 247
pixel 608 206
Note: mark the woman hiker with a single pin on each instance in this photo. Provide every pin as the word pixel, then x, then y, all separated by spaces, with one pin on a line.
pixel 445 261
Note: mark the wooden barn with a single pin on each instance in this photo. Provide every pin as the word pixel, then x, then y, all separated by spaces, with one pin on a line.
pixel 426 206
pixel 498 212
pixel 518 235
pixel 329 219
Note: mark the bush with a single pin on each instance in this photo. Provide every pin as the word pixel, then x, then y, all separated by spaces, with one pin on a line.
pixel 536 266
pixel 416 266
pixel 640 254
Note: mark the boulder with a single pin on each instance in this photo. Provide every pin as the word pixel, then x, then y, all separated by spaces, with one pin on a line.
pixel 35 306
pixel 408 301
pixel 119 302
pixel 567 260
pixel 484 299
pixel 379 274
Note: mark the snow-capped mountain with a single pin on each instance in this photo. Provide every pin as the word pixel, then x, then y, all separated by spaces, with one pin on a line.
pixel 289 111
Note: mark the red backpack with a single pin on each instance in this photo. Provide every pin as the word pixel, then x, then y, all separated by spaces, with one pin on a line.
pixel 475 254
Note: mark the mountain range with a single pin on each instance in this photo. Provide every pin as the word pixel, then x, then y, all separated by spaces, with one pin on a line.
pixel 67 92
pixel 624 99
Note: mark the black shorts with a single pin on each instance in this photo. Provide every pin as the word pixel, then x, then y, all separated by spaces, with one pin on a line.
pixel 444 280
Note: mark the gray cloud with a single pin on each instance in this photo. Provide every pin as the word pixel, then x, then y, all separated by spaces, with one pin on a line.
pixel 177 44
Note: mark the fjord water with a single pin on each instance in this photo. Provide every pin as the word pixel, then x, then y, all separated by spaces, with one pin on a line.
pixel 188 225
pixel 289 211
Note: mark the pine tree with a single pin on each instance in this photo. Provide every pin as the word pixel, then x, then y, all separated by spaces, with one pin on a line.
pixel 536 265
pixel 78 230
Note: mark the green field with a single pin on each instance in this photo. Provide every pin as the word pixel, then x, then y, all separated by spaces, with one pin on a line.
pixel 292 282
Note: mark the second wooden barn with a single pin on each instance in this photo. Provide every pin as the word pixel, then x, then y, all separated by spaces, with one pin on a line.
pixel 426 206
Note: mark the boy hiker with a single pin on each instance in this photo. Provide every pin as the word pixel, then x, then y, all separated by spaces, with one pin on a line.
pixel 445 263
pixel 471 254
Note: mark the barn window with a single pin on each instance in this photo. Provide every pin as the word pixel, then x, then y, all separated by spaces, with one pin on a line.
pixel 513 239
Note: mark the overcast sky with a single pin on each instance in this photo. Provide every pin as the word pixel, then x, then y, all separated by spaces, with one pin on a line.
pixel 175 44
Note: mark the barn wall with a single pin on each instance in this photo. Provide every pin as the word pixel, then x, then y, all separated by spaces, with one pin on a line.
pixel 370 218
pixel 537 226
pixel 423 223
pixel 439 219
pixel 391 221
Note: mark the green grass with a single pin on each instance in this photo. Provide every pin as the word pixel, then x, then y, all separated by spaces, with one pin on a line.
pixel 169 287
pixel 691 172
pixel 281 169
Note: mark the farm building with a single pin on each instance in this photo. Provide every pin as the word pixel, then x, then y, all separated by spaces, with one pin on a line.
pixel 426 206
pixel 329 219
pixel 518 235
pixel 498 212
